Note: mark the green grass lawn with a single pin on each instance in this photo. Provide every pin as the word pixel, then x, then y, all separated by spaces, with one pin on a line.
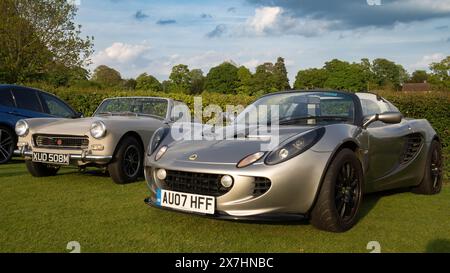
pixel 43 215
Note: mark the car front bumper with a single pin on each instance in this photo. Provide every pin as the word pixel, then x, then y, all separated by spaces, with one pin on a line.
pixel 267 217
pixel 82 157
pixel 293 190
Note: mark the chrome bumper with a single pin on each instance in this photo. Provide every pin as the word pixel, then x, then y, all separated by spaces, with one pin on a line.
pixel 84 157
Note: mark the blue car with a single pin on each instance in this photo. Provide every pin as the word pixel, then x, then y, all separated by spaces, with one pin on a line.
pixel 18 102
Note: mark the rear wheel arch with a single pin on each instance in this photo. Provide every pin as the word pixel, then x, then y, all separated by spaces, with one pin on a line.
pixel 437 138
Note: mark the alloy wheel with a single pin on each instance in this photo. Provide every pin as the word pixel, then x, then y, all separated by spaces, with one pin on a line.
pixel 131 161
pixel 347 191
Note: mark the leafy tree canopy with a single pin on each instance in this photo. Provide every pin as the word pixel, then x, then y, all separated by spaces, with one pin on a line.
pixel 107 76
pixel 148 82
pixel 222 79
pixel 37 35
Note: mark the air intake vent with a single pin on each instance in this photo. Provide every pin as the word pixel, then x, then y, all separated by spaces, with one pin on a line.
pixel 262 185
pixel 413 145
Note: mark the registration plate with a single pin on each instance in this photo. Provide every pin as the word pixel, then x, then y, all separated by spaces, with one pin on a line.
pixel 49 158
pixel 186 202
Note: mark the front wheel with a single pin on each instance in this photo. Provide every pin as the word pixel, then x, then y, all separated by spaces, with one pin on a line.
pixel 340 196
pixel 127 163
pixel 41 170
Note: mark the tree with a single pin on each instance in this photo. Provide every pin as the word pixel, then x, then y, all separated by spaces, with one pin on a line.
pixel 342 75
pixel 388 74
pixel 222 79
pixel 264 80
pixel 106 76
pixel 180 79
pixel 313 78
pixel 148 82
pixel 36 35
pixel 440 74
pixel 197 81
pixel 59 75
pixel 245 78
pixel 419 76
pixel 280 75
pixel 129 84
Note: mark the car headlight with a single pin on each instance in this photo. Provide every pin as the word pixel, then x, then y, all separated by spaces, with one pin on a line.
pixel 157 137
pixel 161 152
pixel 294 147
pixel 22 128
pixel 98 129
pixel 249 160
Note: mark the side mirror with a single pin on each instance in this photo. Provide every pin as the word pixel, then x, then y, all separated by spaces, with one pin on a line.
pixel 388 117
pixel 78 115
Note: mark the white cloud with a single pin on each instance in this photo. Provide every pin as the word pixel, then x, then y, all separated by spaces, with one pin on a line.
pixel 121 53
pixel 264 18
pixel 276 21
pixel 426 60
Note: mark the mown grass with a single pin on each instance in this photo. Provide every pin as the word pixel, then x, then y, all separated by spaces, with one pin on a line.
pixel 43 215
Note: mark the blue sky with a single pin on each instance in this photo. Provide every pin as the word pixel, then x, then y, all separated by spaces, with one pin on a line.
pixel 136 36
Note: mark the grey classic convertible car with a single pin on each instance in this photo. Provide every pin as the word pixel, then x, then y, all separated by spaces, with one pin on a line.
pixel 115 137
pixel 333 147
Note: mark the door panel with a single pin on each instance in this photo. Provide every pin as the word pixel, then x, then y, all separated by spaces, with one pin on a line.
pixel 386 145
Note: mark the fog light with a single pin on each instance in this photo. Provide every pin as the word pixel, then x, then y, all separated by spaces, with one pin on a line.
pixel 226 181
pixel 161 174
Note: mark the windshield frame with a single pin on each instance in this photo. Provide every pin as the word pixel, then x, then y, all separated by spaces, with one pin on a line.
pixel 96 114
pixel 358 117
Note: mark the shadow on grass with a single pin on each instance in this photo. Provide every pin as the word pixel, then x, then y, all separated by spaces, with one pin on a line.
pixel 15 161
pixel 438 246
pixel 368 204
pixel 370 200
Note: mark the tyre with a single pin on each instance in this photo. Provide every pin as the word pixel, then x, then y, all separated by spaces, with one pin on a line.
pixel 127 164
pixel 340 196
pixel 7 144
pixel 41 170
pixel 432 180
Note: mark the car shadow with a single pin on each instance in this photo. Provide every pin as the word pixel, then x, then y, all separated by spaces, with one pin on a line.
pixel 94 172
pixel 370 200
pixel 438 246
pixel 15 161
pixel 368 204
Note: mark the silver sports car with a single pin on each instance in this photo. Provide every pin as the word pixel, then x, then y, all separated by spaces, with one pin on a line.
pixel 333 147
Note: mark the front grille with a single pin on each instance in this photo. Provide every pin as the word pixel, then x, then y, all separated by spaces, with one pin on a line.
pixel 412 147
pixel 262 185
pixel 61 141
pixel 196 183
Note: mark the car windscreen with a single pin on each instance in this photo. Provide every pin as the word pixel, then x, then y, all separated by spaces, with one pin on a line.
pixel 133 106
pixel 300 108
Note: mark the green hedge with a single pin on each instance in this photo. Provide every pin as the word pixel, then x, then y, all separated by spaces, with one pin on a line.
pixel 435 107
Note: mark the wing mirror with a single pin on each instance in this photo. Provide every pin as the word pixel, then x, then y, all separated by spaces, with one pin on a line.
pixel 388 117
pixel 78 115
